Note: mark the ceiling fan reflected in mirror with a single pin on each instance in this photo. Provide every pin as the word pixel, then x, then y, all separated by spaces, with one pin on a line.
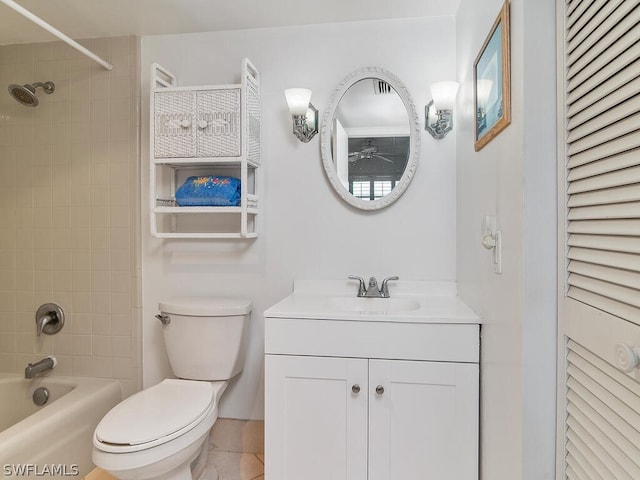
pixel 369 151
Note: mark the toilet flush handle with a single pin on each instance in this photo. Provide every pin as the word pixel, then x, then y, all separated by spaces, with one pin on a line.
pixel 165 319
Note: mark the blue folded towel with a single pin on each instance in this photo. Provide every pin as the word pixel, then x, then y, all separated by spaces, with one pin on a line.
pixel 209 191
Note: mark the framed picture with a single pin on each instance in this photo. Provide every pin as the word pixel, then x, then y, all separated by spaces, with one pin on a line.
pixel 492 82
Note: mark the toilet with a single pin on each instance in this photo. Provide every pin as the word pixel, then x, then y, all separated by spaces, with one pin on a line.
pixel 162 432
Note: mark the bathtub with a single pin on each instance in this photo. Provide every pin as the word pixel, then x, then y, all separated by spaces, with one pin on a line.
pixel 54 440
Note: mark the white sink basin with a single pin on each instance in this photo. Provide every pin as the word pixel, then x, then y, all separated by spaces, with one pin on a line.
pixel 373 306
pixel 410 302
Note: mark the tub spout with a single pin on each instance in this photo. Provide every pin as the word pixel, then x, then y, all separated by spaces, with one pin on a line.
pixel 39 367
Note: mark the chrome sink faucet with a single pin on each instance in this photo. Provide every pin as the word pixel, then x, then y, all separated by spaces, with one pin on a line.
pixel 373 291
pixel 39 367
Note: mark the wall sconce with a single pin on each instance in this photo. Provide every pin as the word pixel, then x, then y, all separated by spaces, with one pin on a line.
pixel 438 114
pixel 303 113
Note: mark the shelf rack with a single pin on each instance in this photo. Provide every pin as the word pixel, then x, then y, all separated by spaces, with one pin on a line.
pixel 204 130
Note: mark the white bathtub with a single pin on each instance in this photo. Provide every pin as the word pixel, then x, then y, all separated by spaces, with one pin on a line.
pixel 52 441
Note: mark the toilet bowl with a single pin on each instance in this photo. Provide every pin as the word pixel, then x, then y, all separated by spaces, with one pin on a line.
pixel 162 432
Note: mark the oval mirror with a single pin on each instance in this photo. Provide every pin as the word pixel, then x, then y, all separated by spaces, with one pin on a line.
pixel 370 139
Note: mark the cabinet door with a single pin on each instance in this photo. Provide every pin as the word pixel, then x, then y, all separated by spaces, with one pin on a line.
pixel 315 421
pixel 173 123
pixel 218 122
pixel 424 425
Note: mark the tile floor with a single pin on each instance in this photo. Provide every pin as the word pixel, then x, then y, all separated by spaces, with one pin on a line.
pixel 236 449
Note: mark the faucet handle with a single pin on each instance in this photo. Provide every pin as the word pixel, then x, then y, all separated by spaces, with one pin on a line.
pixel 49 319
pixel 362 289
pixel 384 290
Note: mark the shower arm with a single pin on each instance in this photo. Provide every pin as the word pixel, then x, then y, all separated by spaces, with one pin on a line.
pixel 38 21
pixel 46 86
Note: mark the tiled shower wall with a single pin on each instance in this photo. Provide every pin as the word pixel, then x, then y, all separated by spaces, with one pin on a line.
pixel 69 209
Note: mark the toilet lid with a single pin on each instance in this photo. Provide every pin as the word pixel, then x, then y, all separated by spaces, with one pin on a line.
pixel 156 412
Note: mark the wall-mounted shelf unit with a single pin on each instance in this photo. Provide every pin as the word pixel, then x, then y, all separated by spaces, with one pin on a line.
pixel 204 130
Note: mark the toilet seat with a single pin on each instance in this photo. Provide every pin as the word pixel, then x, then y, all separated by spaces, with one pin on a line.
pixel 156 415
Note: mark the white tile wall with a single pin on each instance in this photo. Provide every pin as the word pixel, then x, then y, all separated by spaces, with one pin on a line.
pixel 69 209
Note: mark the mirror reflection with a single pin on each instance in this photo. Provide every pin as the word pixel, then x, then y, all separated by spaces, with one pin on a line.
pixel 370 139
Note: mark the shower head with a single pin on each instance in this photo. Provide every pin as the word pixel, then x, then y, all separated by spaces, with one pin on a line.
pixel 26 94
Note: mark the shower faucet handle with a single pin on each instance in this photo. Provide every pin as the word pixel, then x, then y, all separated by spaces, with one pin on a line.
pixel 49 319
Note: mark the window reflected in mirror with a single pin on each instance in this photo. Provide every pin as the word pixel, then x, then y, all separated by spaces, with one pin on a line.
pixel 375 165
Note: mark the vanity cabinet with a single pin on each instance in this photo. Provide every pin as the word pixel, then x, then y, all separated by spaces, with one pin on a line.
pixel 370 419
pixel 371 389
pixel 315 424
pixel 204 131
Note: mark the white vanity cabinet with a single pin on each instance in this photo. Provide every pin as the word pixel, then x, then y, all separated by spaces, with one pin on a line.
pixel 352 396
pixel 317 426
pixel 423 420
pixel 359 419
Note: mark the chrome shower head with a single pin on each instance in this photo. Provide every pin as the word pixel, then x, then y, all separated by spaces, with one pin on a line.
pixel 26 94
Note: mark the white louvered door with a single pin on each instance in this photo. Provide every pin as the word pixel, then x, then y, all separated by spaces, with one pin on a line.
pixel 602 427
pixel 599 225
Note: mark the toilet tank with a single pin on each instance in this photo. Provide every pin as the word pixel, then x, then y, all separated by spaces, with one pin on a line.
pixel 206 337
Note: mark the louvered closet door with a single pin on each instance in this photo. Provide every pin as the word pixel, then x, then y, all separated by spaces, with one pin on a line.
pixel 602 421
pixel 599 215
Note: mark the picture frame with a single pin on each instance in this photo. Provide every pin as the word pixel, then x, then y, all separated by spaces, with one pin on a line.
pixel 492 82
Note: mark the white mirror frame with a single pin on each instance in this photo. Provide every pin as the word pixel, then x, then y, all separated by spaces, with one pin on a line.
pixel 414 142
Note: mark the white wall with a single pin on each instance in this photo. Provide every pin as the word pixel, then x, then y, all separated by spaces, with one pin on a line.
pixel 540 234
pixel 306 231
pixel 490 183
pixel 513 177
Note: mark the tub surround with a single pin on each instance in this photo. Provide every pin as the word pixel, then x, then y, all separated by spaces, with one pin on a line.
pixel 69 172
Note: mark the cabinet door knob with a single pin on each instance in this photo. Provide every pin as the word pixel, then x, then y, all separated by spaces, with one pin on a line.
pixel 379 389
pixel 202 124
pixel 186 123
pixel 627 358
pixel 355 388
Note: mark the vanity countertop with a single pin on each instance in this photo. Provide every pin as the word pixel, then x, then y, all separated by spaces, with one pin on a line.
pixel 409 302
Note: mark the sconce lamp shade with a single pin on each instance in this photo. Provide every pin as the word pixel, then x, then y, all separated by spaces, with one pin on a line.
pixel 438 118
pixel 484 90
pixel 303 113
pixel 298 100
pixel 444 95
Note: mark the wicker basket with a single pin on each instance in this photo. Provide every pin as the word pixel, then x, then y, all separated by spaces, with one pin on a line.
pixel 197 123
